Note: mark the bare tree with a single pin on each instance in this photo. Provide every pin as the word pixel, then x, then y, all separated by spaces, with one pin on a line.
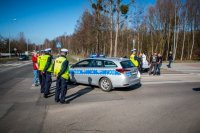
pixel 184 33
pixel 97 6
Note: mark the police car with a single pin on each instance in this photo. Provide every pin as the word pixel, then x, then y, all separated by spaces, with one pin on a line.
pixel 107 73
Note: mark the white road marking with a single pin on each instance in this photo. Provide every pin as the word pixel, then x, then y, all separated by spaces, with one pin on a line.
pixel 167 82
pixel 6 67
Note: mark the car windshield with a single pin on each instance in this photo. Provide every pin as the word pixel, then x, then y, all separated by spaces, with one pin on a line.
pixel 127 64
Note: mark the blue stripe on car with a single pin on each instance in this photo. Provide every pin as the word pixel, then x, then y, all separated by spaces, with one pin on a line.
pixel 96 72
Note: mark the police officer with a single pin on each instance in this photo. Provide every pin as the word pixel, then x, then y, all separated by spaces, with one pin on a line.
pixel 134 58
pixel 61 71
pixel 39 68
pixel 47 64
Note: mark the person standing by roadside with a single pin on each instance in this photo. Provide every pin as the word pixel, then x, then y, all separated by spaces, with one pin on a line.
pixel 159 63
pixel 61 71
pixel 134 58
pixel 145 63
pixel 170 59
pixel 40 69
pixel 153 64
pixel 35 69
pixel 140 63
pixel 48 69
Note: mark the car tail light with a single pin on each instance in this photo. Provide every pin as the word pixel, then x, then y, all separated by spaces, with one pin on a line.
pixel 122 70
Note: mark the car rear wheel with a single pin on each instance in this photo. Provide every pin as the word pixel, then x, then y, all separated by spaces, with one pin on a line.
pixel 105 84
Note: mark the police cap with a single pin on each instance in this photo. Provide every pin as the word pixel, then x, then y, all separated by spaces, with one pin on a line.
pixel 133 50
pixel 47 50
pixel 64 50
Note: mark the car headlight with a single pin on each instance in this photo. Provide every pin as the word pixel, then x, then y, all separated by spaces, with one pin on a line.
pixel 138 74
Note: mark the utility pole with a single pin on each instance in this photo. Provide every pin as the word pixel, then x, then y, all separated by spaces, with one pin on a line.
pixel 27 44
pixel 9 46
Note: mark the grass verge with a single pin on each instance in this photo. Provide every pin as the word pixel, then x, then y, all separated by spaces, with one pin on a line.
pixel 71 59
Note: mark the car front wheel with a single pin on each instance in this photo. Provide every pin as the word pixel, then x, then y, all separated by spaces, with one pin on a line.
pixel 105 84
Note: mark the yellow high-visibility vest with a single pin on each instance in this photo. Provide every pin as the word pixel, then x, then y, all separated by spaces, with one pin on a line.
pixel 43 63
pixel 58 66
pixel 38 61
pixel 135 62
pixel 50 69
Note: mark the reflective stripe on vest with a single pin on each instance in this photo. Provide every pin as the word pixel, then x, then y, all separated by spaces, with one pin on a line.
pixel 58 66
pixel 135 62
pixel 50 69
pixel 43 61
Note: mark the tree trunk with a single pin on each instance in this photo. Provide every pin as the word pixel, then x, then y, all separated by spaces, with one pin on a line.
pixel 192 38
pixel 97 35
pixel 122 43
pixel 138 42
pixel 104 43
pixel 111 28
pixel 183 46
pixel 117 28
pixel 156 47
pixel 188 53
pixel 177 36
pixel 174 47
pixel 127 47
pixel 151 43
pixel 142 43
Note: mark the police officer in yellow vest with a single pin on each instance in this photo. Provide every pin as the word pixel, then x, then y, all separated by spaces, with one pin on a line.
pixel 134 58
pixel 47 69
pixel 61 71
pixel 39 68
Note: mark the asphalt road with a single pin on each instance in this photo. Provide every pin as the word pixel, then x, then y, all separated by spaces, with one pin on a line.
pixel 169 103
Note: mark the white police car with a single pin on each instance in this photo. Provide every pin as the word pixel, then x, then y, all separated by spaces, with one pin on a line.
pixel 107 73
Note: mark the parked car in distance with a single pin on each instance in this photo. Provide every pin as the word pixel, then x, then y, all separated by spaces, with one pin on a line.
pixel 107 73
pixel 23 57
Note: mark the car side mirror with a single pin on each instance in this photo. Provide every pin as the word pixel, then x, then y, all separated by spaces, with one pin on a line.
pixel 72 66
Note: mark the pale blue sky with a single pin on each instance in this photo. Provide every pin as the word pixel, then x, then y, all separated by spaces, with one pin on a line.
pixel 40 19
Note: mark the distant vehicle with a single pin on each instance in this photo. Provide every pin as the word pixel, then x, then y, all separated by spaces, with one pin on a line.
pixel 23 57
pixel 107 73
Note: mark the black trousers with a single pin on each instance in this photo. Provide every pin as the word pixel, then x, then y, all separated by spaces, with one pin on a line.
pixel 48 82
pixel 61 89
pixel 43 82
pixel 40 76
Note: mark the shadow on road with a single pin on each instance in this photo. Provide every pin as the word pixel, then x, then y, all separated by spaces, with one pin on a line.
pixel 51 94
pixel 53 89
pixel 196 89
pixel 134 87
pixel 71 85
pixel 78 94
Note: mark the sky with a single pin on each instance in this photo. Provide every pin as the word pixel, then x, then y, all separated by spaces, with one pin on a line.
pixel 41 19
